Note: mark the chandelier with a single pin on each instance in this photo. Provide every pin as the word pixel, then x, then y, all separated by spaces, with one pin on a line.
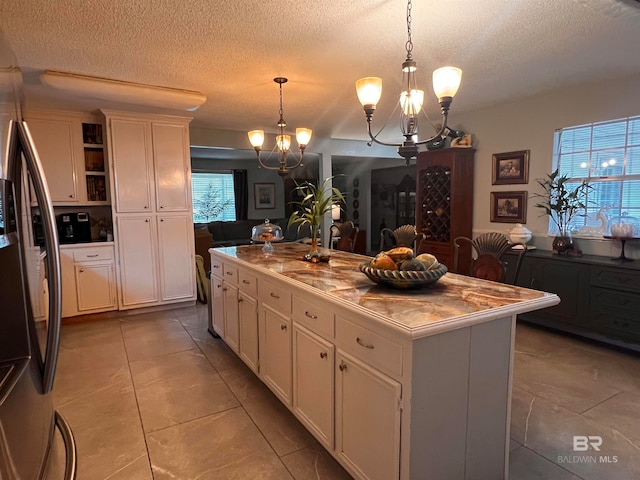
pixel 283 143
pixel 446 81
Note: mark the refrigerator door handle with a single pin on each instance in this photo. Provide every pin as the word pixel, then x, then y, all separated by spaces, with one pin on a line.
pixel 34 166
pixel 71 458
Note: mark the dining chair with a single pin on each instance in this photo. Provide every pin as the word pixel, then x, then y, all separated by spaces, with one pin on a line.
pixel 488 256
pixel 343 236
pixel 403 236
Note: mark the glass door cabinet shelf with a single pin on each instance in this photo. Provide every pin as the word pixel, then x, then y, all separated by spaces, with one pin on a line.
pixel 94 164
pixel 444 186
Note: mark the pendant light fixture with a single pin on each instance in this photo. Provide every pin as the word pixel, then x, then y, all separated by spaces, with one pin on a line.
pixel 446 81
pixel 283 143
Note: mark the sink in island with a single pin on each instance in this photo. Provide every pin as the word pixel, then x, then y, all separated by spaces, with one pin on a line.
pixel 396 384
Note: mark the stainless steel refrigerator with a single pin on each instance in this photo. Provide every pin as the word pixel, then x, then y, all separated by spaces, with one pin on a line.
pixel 27 365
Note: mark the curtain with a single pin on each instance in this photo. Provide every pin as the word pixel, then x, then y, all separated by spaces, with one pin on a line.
pixel 241 194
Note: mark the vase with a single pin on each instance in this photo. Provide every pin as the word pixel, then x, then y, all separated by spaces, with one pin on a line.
pixel 563 243
pixel 519 234
pixel 314 255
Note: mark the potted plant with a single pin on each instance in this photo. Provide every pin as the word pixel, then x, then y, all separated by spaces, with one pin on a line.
pixel 562 200
pixel 316 202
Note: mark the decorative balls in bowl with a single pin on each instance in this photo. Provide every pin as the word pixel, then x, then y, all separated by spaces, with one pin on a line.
pixel 398 268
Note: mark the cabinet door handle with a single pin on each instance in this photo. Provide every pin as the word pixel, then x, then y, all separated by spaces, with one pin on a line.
pixel 309 315
pixel 93 255
pixel 146 220
pixel 229 273
pixel 219 285
pixel 146 206
pixel 342 366
pixel 273 295
pixel 216 266
pixel 283 326
pixel 162 219
pixel 71 196
pixel 161 206
pixel 224 289
pixel 246 282
pixel 362 344
pixel 240 300
pixel 81 270
pixel 323 354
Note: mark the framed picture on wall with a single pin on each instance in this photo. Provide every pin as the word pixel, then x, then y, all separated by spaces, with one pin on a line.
pixel 510 168
pixel 264 196
pixel 509 207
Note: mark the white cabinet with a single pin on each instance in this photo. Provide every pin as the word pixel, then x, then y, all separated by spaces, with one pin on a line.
pixel 217 306
pixel 94 283
pixel 136 247
pixel 275 352
pixel 172 166
pixel 367 419
pixel 130 151
pixel 175 255
pixel 72 154
pixel 388 398
pixel 88 279
pixel 150 165
pixel 313 383
pixel 248 319
pixel 275 337
pixel 231 326
pixel 248 324
pixel 59 142
pixel 217 298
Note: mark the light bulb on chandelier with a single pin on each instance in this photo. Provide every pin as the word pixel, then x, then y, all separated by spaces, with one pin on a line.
pixel 283 143
pixel 446 81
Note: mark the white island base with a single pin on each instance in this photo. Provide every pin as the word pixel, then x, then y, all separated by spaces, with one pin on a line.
pixel 396 384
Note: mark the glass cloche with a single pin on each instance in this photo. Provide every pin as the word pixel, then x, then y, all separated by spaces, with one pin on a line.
pixel 266 232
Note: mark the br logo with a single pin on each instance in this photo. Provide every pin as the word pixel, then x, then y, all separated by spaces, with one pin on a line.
pixel 582 443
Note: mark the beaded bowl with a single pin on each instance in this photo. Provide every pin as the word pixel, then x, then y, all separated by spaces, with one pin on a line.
pixel 403 278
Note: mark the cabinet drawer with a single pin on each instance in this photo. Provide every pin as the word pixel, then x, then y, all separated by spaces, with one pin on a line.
pixel 275 295
pixel 615 277
pixel 621 324
pixel 216 267
pixel 369 346
pixel 230 274
pixel 92 254
pixel 604 299
pixel 317 319
pixel 248 283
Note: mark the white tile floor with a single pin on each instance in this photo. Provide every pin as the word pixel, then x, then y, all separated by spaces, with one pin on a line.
pixel 154 396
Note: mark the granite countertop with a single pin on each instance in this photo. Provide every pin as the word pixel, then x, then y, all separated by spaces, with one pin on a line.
pixel 452 302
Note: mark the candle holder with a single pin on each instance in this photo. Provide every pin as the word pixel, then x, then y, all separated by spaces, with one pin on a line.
pixel 623 240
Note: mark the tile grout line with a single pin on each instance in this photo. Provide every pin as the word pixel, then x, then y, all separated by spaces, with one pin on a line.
pixel 135 395
pixel 242 404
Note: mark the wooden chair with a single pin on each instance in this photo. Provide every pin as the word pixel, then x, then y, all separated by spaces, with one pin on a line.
pixel 404 236
pixel 344 235
pixel 487 256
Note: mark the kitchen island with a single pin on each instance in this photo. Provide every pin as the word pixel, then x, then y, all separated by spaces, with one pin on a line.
pixel 396 384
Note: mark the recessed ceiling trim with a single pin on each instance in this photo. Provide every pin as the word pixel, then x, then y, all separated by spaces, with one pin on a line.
pixel 125 92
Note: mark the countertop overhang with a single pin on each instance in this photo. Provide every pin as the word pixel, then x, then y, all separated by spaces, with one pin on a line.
pixel 455 301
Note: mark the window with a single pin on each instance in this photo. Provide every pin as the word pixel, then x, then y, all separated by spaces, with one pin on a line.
pixel 607 156
pixel 213 197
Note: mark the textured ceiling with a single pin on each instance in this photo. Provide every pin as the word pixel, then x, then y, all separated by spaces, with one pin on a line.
pixel 231 50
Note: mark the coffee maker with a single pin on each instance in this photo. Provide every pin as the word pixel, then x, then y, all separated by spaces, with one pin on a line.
pixel 74 227
pixel 82 230
pixel 66 227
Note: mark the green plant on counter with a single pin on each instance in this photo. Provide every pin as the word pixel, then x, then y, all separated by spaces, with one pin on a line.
pixel 316 202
